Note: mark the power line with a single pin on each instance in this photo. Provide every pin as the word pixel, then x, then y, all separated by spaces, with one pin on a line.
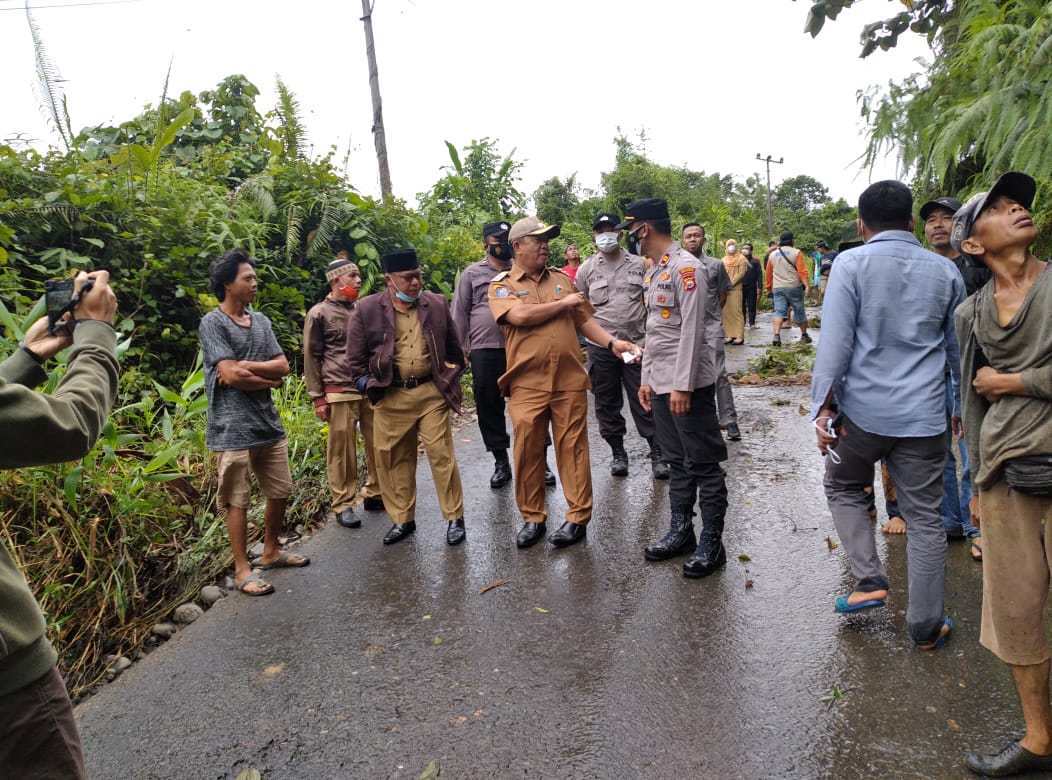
pixel 69 5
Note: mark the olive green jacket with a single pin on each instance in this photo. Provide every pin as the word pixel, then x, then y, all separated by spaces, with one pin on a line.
pixel 35 429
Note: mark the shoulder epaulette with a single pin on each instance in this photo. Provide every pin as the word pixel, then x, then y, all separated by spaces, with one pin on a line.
pixel 500 276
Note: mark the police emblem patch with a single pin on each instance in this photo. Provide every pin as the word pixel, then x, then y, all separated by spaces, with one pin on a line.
pixel 665 314
pixel 689 280
pixel 664 276
pixel 661 299
pixel 502 292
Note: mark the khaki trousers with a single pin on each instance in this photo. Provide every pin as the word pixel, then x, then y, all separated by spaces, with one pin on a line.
pixel 531 411
pixel 342 452
pixel 398 418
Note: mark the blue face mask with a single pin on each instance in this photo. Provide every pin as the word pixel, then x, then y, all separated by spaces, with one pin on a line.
pixel 405 298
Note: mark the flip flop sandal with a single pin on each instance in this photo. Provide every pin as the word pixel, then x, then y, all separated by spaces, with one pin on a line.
pixel 254 579
pixel 841 605
pixel 944 634
pixel 284 561
pixel 977 548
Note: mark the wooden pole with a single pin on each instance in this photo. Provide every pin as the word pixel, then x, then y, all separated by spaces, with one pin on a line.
pixel 378 114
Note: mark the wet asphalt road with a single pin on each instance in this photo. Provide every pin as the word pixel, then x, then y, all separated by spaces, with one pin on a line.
pixel 375 661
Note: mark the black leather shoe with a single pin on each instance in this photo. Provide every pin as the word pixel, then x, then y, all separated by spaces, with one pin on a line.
pixel 530 534
pixel 347 518
pixel 549 478
pixel 568 533
pixel 619 464
pixel 1013 760
pixel 660 469
pixel 455 533
pixel 733 432
pixel 501 475
pixel 400 531
pixel 373 504
pixel 704 562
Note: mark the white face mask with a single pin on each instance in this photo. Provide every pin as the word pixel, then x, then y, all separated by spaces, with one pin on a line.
pixel 606 242
pixel 732 248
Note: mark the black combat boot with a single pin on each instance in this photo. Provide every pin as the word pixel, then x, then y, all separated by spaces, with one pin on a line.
pixel 657 463
pixel 619 462
pixel 711 554
pixel 501 470
pixel 680 537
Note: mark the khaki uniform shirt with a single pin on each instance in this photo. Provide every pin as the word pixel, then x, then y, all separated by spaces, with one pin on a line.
pixel 546 356
pixel 616 290
pixel 678 356
pixel 411 358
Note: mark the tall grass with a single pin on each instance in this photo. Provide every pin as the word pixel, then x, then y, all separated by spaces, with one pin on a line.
pixel 111 543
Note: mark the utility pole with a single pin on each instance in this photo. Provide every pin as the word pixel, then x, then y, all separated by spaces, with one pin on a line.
pixel 769 159
pixel 378 114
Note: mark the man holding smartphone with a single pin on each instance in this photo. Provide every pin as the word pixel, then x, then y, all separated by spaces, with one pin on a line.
pixel 888 325
pixel 38 735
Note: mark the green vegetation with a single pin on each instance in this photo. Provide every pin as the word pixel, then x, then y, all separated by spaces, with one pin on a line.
pixel 978 108
pixel 788 360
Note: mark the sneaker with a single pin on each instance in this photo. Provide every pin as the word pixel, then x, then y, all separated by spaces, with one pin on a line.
pixel 776 341
pixel 805 338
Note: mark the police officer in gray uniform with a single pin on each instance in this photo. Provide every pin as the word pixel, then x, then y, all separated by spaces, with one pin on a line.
pixel 679 384
pixel 612 281
pixel 693 240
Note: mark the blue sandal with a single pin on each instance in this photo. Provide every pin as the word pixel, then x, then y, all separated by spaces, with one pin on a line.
pixel 842 606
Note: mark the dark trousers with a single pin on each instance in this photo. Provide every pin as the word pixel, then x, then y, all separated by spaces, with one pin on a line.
pixel 694 448
pixel 487 366
pixel 38 735
pixel 609 374
pixel 749 304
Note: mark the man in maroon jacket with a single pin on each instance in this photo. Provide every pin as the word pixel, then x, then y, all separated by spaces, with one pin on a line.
pixel 404 355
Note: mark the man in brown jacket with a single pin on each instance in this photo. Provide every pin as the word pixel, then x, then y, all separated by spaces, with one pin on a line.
pixel 404 356
pixel 336 402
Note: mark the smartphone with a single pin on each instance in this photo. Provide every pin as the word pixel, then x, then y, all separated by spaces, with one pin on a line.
pixel 59 299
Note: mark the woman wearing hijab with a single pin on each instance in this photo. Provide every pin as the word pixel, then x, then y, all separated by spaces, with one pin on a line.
pixel 737 265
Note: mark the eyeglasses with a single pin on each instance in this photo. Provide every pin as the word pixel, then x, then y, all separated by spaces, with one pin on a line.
pixel 411 276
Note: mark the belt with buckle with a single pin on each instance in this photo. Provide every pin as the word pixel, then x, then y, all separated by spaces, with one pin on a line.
pixel 410 383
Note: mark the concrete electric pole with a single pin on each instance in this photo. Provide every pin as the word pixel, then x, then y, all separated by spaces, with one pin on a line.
pixel 769 159
pixel 378 114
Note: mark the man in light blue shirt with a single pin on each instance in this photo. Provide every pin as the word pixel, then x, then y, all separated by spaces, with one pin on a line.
pixel 879 384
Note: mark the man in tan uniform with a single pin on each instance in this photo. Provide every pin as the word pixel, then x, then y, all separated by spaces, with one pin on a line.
pixel 336 402
pixel 541 312
pixel 405 357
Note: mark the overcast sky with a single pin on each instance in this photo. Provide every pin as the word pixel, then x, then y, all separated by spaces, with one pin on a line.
pixel 713 82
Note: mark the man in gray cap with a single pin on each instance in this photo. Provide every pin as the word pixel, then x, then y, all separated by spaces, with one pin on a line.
pixel 336 401
pixel 612 281
pixel 1005 345
pixel 403 350
pixel 679 385
pixel 937 216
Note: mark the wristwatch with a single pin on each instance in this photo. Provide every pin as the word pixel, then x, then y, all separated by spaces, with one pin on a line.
pixel 610 346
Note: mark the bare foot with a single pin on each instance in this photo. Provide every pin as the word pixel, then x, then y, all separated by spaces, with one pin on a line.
pixel 895 525
pixel 858 596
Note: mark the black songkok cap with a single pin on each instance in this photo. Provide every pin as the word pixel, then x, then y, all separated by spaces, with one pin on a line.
pixel 402 260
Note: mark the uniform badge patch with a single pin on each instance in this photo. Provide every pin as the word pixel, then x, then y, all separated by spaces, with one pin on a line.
pixel 665 314
pixel 646 279
pixel 664 276
pixel 661 299
pixel 665 259
pixel 690 281
pixel 502 292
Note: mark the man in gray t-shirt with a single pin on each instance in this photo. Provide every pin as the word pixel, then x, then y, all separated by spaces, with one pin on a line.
pixel 243 363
